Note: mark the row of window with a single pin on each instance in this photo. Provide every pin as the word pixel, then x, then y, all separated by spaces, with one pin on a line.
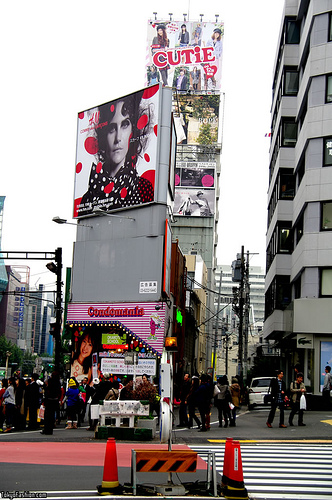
pixel 279 293
pixel 285 237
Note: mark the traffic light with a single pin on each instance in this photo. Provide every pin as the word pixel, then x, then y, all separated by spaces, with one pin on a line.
pixel 52 328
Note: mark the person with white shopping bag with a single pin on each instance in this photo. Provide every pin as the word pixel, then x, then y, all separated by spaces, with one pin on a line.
pixel 298 402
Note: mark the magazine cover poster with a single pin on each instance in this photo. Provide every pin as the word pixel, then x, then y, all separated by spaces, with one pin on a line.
pixel 185 55
pixel 194 202
pixel 196 118
pixel 116 153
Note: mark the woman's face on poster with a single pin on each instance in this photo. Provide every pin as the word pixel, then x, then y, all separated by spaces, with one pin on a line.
pixel 86 347
pixel 118 136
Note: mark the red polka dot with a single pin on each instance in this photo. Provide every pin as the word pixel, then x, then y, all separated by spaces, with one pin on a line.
pixel 112 107
pixel 81 115
pixel 147 157
pixel 177 179
pixel 109 187
pixel 99 166
pixel 150 91
pixel 91 145
pixel 78 167
pixel 123 192
pixel 207 181
pixel 155 129
pixel 149 175
pixel 142 122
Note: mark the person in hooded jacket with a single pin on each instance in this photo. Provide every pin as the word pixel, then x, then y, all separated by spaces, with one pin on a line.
pixel 72 398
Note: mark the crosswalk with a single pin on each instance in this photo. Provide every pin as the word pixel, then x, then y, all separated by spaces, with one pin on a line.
pixel 280 471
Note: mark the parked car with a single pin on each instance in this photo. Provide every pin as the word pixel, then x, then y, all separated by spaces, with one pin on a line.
pixel 258 388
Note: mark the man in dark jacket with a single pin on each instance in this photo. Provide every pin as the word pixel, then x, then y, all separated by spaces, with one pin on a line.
pixel 278 391
pixel 184 391
pixel 32 401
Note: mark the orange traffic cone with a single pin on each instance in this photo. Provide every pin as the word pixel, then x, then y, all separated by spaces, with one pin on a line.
pixel 227 461
pixel 110 475
pixel 234 485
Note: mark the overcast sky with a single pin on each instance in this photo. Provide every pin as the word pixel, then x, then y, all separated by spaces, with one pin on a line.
pixel 59 58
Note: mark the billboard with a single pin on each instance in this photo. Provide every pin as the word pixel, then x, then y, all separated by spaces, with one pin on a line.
pixel 194 203
pixel 185 55
pixel 195 189
pixel 116 153
pixel 196 118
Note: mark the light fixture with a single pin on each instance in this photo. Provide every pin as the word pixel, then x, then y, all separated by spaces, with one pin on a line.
pixel 217 15
pixel 58 220
pixel 170 15
pixel 201 17
pixel 171 344
pixel 155 16
pixel 99 211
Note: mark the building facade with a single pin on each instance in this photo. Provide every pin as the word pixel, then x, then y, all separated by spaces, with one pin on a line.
pixel 298 292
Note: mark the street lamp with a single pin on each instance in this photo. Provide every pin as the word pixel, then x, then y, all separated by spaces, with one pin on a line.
pixel 59 220
pixel 99 211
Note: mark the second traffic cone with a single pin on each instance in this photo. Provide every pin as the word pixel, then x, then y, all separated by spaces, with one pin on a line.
pixel 227 461
pixel 110 475
pixel 234 489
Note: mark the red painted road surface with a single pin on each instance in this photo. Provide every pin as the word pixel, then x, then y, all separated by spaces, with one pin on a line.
pixel 82 454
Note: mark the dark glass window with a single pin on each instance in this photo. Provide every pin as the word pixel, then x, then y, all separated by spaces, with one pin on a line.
pixel 292 31
pixel 285 239
pixel 287 185
pixel 300 172
pixel 291 81
pixel 327 151
pixel 326 217
pixel 289 133
pixel 299 229
pixel 278 295
pixel 330 29
pixel 328 97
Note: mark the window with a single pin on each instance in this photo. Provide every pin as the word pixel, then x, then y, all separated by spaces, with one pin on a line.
pixel 328 97
pixel 292 31
pixel 330 29
pixel 326 282
pixel 285 239
pixel 299 229
pixel 289 133
pixel 328 152
pixel 278 295
pixel 291 81
pixel 287 185
pixel 326 217
pixel 300 173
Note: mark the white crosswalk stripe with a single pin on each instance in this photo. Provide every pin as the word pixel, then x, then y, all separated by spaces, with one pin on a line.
pixel 273 471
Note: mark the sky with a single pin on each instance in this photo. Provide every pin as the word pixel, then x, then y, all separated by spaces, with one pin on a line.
pixel 59 58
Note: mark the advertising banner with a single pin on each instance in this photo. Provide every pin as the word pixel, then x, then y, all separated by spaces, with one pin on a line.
pixel 194 203
pixel 185 55
pixel 196 118
pixel 116 153
pixel 140 325
pixel 195 174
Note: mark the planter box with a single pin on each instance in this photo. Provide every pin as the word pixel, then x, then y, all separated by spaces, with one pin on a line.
pixel 148 423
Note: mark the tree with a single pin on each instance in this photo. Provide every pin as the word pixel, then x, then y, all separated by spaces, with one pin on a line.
pixel 207 134
pixel 16 353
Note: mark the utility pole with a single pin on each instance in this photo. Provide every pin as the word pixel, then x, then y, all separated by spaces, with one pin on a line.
pixel 241 306
pixel 216 330
pixel 246 295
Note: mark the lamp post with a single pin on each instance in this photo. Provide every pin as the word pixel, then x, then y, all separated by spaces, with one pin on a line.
pixel 56 269
pixel 8 354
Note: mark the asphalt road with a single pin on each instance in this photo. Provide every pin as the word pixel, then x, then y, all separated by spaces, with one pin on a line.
pixel 74 460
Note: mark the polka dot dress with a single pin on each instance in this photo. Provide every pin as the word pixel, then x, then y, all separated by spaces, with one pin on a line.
pixel 125 189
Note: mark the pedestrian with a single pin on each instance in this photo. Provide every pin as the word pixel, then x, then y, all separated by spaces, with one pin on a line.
pixel 100 391
pixel 327 387
pixel 191 403
pixel 278 391
pixel 222 400
pixel 9 400
pixel 202 395
pixel 210 388
pixel 72 404
pixel 297 388
pixel 32 401
pixel 52 394
pixel 184 391
pixel 236 395
pixel 19 420
pixel 4 385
